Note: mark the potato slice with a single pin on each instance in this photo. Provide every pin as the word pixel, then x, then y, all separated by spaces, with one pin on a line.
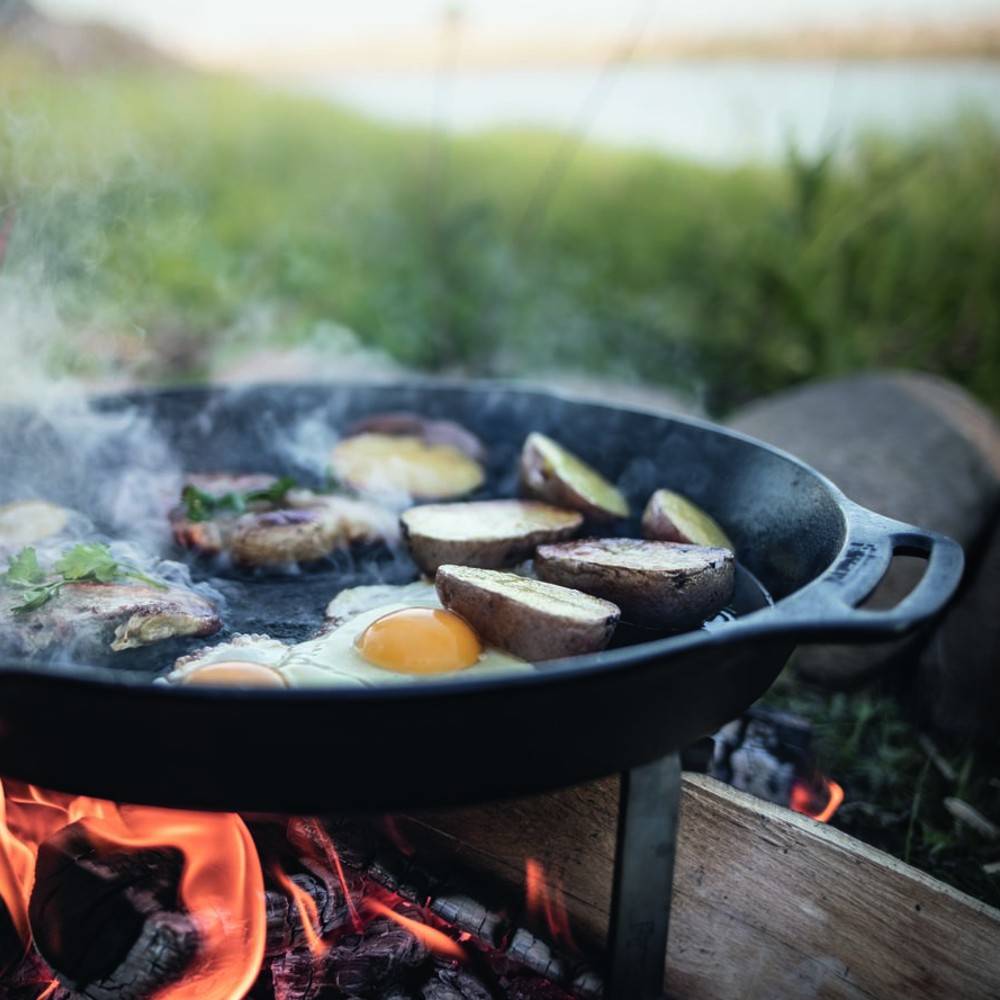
pixel 485 533
pixel 671 517
pixel 656 584
pixel 404 423
pixel 392 465
pixel 550 472
pixel 529 618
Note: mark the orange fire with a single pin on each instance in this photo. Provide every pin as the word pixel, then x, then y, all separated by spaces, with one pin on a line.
pixel 221 884
pixel 820 805
pixel 308 914
pixel 540 901
pixel 436 940
pixel 319 837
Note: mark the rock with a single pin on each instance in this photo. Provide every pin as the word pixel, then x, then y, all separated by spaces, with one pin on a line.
pixel 907 445
pixel 958 687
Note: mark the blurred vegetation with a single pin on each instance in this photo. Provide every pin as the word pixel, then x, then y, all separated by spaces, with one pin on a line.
pixel 180 218
pixel 898 783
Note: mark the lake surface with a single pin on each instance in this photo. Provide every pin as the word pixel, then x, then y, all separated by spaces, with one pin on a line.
pixel 714 110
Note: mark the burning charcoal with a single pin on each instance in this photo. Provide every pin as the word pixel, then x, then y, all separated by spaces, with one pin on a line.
pixel 346 845
pixel 165 947
pixel 455 984
pixel 588 985
pixel 381 957
pixel 402 876
pixel 536 955
pixel 106 923
pixel 762 753
pixel 469 915
pixel 284 922
pixel 294 976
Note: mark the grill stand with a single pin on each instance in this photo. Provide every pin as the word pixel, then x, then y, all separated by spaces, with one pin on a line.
pixel 648 813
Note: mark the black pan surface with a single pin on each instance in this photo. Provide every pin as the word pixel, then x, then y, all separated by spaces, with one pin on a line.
pixel 103 729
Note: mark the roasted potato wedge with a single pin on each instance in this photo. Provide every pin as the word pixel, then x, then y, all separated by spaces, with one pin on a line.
pixel 486 533
pixel 526 617
pixel 552 473
pixel 404 466
pixel 671 517
pixel 656 584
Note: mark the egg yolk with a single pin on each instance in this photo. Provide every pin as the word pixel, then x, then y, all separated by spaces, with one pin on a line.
pixel 419 641
pixel 236 673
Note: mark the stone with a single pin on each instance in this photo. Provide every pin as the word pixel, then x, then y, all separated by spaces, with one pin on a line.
pixel 908 445
pixel 958 684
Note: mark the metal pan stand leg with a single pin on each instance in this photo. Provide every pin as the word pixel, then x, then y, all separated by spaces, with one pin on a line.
pixel 644 871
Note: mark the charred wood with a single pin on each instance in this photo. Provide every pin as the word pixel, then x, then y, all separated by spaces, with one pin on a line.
pixel 108 923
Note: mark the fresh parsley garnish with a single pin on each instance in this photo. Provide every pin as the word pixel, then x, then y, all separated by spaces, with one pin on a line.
pixel 202 506
pixel 89 561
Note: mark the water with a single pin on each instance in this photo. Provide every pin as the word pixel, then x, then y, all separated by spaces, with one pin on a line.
pixel 712 110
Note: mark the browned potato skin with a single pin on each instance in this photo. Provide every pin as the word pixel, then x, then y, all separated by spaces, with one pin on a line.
pixel 430 551
pixel 656 597
pixel 524 618
pixel 555 489
pixel 402 422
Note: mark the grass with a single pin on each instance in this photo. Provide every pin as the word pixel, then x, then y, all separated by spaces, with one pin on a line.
pixel 176 220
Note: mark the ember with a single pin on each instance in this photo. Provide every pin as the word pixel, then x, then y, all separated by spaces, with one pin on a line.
pixel 819 799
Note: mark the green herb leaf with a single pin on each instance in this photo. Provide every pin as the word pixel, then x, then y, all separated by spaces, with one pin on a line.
pixel 36 597
pixel 135 574
pixel 202 506
pixel 88 561
pixel 23 569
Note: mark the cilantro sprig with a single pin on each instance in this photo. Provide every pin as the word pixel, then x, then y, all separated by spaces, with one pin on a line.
pixel 87 562
pixel 202 506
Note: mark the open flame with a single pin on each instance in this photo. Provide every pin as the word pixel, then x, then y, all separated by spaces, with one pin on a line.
pixel 818 800
pixel 543 901
pixel 305 905
pixel 437 941
pixel 221 883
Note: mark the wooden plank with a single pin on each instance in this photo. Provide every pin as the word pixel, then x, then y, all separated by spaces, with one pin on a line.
pixel 767 903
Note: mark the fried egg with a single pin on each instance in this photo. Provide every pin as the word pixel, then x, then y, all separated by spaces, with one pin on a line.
pixel 404 641
pixel 396 644
pixel 244 661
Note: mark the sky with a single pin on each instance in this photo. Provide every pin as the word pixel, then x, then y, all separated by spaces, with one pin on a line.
pixel 207 27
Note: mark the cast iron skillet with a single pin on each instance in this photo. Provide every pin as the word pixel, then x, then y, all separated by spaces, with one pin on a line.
pixel 111 733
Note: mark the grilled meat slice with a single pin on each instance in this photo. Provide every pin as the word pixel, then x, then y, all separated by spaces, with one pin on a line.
pixel 88 619
pixel 309 528
pixel 212 537
pixel 303 527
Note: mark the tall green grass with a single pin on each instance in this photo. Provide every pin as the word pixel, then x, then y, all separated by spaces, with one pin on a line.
pixel 174 217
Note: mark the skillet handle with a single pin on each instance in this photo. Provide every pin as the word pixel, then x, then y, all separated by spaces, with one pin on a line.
pixel 827 609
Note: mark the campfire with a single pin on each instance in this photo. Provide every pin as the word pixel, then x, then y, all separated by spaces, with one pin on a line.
pixel 103 901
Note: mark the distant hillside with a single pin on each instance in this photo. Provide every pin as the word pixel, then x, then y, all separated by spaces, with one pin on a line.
pixel 421 51
pixel 74 45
